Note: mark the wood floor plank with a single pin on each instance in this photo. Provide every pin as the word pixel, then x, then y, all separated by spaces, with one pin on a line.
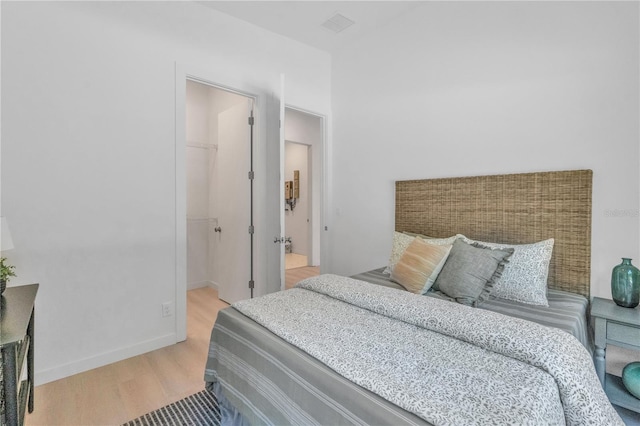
pixel 124 390
pixel 116 393
pixel 297 274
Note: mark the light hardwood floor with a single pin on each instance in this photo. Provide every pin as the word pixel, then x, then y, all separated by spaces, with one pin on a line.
pixel 294 260
pixel 296 269
pixel 116 393
pixel 292 276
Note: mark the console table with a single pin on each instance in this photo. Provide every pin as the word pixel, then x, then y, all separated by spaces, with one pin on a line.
pixel 618 326
pixel 17 347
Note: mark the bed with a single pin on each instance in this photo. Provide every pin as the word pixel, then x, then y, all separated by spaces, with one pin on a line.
pixel 566 310
pixel 363 351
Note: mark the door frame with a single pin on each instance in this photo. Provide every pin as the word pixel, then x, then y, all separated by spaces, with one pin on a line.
pixel 182 74
pixel 265 133
pixel 323 188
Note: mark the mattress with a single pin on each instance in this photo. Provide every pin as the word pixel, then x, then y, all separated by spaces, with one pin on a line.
pixel 566 311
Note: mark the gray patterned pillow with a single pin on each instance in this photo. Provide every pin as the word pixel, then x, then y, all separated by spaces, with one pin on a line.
pixel 470 272
pixel 524 278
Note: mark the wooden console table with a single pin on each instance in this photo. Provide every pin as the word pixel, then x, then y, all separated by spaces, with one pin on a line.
pixel 17 347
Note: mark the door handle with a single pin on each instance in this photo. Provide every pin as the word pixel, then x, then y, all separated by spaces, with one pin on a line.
pixel 217 229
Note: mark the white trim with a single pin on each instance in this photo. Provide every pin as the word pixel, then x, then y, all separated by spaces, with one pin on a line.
pixel 324 188
pixel 199 284
pixel 282 109
pixel 327 194
pixel 100 360
pixel 181 205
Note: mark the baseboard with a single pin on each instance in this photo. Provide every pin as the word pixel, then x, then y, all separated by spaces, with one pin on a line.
pixel 200 284
pixel 86 364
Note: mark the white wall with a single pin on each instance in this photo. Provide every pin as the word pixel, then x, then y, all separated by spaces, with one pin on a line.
pixel 297 221
pixel 476 88
pixel 306 128
pixel 89 159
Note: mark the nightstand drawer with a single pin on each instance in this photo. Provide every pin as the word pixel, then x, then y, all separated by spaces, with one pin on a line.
pixel 623 333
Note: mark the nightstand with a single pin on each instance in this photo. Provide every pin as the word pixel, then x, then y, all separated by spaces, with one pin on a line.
pixel 618 326
pixel 17 346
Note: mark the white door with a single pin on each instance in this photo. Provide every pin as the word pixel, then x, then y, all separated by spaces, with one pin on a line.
pixel 281 185
pixel 275 191
pixel 232 236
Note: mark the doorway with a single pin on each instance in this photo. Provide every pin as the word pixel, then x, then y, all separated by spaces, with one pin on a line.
pixel 297 209
pixel 218 159
pixel 303 150
pixel 268 152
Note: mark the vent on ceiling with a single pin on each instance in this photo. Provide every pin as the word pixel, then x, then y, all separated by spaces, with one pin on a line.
pixel 338 23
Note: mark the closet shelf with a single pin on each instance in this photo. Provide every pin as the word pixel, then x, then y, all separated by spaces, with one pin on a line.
pixel 203 219
pixel 202 145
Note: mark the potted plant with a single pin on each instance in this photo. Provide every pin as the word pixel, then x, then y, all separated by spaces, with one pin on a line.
pixel 6 271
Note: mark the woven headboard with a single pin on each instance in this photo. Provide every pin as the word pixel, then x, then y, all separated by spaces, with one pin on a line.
pixel 513 209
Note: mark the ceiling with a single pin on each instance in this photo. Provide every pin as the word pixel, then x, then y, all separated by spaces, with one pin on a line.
pixel 302 20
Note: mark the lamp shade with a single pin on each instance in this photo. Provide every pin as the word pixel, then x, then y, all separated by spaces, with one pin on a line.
pixel 6 243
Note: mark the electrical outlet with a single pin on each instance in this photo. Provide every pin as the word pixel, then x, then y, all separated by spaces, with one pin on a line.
pixel 167 309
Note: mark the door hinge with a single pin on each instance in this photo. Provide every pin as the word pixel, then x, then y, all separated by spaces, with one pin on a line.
pixel 251 229
pixel 252 284
pixel 251 175
pixel 250 121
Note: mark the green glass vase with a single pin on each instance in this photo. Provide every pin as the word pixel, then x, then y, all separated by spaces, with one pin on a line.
pixel 631 378
pixel 625 284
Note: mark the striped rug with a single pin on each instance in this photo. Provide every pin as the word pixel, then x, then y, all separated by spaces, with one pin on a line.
pixel 199 409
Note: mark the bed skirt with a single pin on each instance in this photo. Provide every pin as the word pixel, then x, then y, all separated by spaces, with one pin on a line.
pixel 229 415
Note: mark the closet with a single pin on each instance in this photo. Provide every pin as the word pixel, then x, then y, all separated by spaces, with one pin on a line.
pixel 218 153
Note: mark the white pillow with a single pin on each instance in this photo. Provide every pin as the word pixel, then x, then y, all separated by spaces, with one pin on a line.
pixel 401 242
pixel 524 278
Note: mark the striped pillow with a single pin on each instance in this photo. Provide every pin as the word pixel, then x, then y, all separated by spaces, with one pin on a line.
pixel 402 240
pixel 419 265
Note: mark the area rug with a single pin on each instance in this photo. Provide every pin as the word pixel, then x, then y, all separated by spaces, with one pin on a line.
pixel 199 409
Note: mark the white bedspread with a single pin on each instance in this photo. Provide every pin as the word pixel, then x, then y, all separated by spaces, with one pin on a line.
pixel 447 363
